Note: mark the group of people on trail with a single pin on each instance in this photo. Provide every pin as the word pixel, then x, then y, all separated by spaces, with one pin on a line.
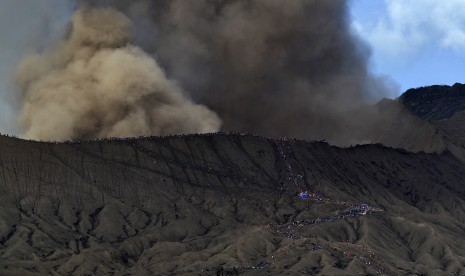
pixel 315 196
pixel 359 209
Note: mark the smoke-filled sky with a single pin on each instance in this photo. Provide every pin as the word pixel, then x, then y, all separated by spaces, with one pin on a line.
pixel 25 26
pixel 88 69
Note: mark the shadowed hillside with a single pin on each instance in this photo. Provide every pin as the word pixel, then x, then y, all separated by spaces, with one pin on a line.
pixel 390 123
pixel 228 204
pixel 435 102
pixel 427 119
pixel 442 108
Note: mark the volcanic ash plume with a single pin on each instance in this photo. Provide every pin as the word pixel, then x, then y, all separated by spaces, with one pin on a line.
pixel 274 67
pixel 96 84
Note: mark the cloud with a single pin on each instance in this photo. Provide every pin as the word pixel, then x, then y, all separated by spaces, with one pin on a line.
pixel 410 25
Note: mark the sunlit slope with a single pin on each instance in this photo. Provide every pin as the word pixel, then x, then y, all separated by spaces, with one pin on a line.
pixel 205 204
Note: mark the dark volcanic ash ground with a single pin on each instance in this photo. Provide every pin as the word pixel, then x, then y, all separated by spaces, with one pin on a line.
pixel 228 203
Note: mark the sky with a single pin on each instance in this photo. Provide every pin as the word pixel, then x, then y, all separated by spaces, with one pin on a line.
pixel 413 42
pixel 25 26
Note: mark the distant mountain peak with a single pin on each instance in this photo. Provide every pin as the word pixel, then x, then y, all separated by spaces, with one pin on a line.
pixel 435 102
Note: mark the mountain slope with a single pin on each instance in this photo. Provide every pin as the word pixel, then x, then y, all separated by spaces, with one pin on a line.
pixel 390 123
pixel 427 119
pixel 209 204
pixel 442 107
pixel 435 102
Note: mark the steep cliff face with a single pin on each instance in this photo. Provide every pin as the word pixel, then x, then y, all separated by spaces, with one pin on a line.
pixel 227 204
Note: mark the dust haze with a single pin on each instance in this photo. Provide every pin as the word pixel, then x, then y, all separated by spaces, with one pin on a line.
pixel 271 67
pixel 97 84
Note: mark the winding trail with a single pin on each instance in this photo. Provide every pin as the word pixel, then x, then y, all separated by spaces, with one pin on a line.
pixel 345 250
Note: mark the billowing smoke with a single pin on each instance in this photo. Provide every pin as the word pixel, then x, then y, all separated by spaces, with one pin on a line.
pixel 273 67
pixel 96 84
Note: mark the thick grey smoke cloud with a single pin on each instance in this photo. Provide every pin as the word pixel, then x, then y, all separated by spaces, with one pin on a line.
pixel 96 84
pixel 273 67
